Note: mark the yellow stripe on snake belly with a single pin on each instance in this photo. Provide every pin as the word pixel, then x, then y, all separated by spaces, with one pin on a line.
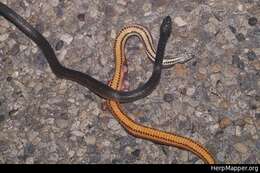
pixel 131 126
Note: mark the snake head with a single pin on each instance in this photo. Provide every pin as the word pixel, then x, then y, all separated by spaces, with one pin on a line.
pixel 166 27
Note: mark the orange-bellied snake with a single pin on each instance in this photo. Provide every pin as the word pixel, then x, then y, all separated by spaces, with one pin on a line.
pixel 132 127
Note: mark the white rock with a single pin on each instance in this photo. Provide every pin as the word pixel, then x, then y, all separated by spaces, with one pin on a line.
pixel 67 38
pixel 147 7
pixel 238 131
pixel 179 21
pixel 113 34
pixel 190 91
pixel 29 160
pixel 91 140
pixel 114 125
pixel 184 156
pixel 77 133
pixel 71 153
pixel 4 37
pixel 240 7
pixel 46 34
pixel 93 12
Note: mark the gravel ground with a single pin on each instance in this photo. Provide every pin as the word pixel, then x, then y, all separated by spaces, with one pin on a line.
pixel 214 98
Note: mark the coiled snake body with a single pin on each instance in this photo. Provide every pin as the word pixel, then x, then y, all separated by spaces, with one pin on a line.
pixel 130 125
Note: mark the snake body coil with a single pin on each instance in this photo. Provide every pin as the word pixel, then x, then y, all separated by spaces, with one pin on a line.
pixel 92 84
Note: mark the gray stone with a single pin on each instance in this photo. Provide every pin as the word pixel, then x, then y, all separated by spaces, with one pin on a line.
pixel 251 55
pixel 240 37
pixel 258 144
pixel 61 123
pixel 238 62
pixel 240 147
pixel 29 149
pixel 168 97
pixel 59 45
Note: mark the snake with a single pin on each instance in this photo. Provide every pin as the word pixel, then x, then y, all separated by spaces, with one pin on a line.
pixel 95 86
pixel 136 129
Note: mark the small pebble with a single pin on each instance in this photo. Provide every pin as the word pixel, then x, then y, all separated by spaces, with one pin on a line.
pixel 183 91
pixel 61 123
pixel 257 32
pixel 77 133
pixel 4 37
pixel 113 124
pixel 2 117
pixel 258 144
pixel 54 3
pixel 184 156
pixel 181 70
pixel 81 17
pixel 179 21
pixel 238 131
pixel 15 50
pixel 59 45
pixel 122 2
pixel 67 38
pixel 168 98
pixel 240 37
pixel 215 68
pixel 257 98
pixel 29 149
pixel 240 7
pixel 190 91
pixel 136 153
pixel 90 140
pixel 251 55
pixel 225 122
pixel 238 62
pixel 9 78
pixel 240 147
pixel 252 21
pixel 29 160
pixel 232 29
pixel 221 156
pixel 249 120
